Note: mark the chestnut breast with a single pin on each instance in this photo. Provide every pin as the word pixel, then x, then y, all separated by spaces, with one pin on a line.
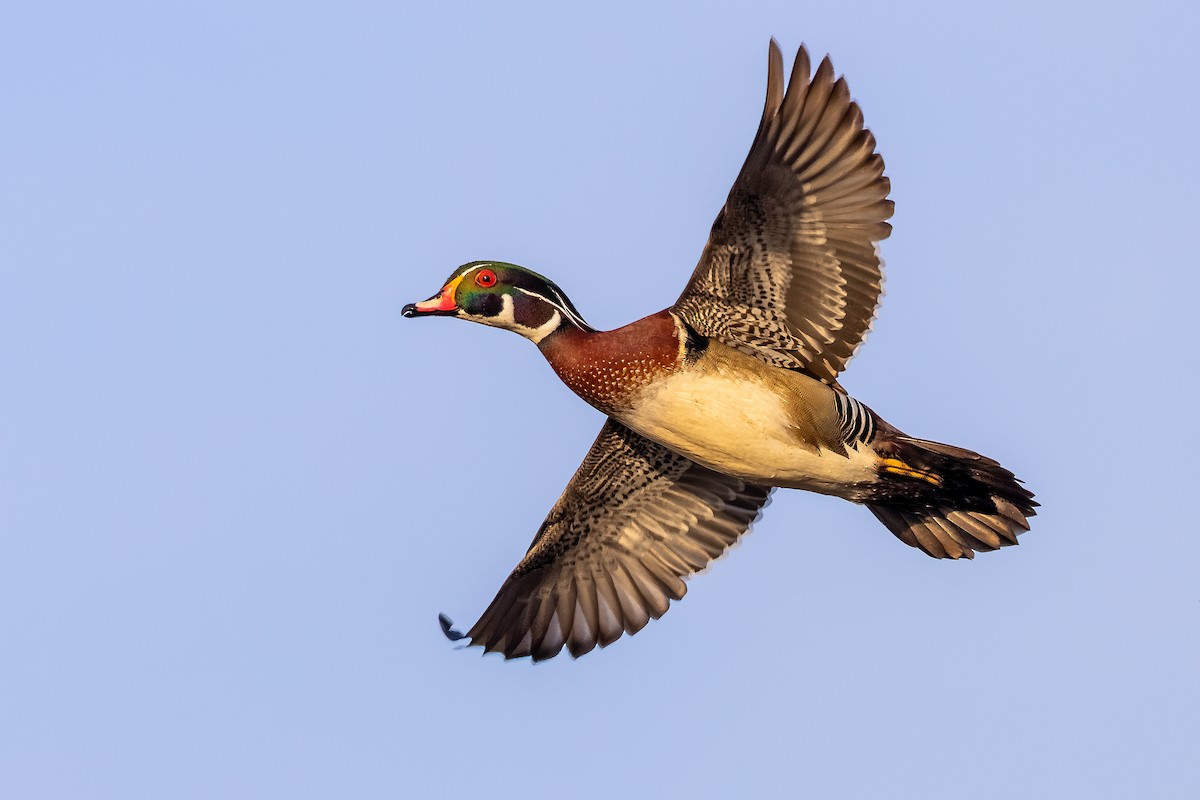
pixel 609 369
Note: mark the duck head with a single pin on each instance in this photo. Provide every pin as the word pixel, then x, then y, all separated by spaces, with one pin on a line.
pixel 502 296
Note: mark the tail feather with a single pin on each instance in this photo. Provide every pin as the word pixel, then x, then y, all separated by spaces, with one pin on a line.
pixel 947 501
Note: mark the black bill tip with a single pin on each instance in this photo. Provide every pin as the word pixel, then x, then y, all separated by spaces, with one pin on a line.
pixel 410 310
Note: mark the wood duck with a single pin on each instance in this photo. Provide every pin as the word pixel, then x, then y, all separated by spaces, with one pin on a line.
pixel 728 393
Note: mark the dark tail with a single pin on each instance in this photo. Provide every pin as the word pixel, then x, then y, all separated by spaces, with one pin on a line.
pixel 948 501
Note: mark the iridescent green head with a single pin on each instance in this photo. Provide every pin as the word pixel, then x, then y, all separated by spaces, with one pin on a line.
pixel 503 296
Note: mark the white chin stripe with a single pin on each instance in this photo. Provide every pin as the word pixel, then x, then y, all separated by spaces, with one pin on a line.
pixel 507 319
pixel 550 326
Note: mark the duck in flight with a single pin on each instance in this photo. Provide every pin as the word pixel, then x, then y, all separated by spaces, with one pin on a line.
pixel 729 393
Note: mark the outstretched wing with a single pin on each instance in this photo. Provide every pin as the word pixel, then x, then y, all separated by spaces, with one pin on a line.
pixel 635 520
pixel 791 273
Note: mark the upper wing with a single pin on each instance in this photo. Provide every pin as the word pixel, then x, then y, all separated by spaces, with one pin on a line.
pixel 791 273
pixel 635 520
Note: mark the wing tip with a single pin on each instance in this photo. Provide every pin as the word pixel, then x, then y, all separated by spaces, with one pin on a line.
pixel 774 82
pixel 448 629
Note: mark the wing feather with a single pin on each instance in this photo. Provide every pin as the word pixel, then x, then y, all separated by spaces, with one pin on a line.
pixel 791 273
pixel 633 523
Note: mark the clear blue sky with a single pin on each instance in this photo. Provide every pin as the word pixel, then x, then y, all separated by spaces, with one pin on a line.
pixel 236 487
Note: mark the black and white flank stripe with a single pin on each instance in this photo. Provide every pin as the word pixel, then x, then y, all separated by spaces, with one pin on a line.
pixel 855 420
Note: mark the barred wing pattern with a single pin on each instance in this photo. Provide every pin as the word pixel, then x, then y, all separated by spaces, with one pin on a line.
pixel 635 520
pixel 791 273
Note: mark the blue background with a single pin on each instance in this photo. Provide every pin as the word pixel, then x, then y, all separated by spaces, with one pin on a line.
pixel 236 487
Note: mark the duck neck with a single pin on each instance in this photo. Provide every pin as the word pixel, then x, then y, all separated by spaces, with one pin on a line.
pixel 566 334
pixel 609 369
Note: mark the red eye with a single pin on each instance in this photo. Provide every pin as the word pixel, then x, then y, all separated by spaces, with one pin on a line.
pixel 485 278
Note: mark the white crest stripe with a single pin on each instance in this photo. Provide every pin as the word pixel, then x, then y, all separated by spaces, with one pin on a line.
pixel 561 306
